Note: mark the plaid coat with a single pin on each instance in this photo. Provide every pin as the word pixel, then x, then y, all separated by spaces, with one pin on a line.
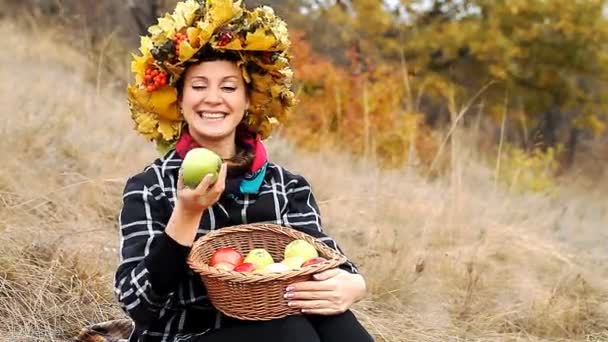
pixel 153 284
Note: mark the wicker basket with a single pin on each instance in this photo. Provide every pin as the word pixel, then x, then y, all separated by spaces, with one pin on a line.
pixel 254 296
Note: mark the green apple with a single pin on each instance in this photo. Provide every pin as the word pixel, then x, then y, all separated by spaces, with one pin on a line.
pixel 293 263
pixel 198 163
pixel 259 257
pixel 302 249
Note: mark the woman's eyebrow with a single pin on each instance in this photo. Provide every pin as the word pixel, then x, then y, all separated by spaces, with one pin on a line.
pixel 206 79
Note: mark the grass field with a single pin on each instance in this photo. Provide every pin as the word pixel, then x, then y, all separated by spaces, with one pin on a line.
pixel 458 258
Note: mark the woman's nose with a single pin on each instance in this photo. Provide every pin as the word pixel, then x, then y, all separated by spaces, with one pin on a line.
pixel 213 96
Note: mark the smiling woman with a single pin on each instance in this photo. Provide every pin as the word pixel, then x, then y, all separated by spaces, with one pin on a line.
pixel 213 103
pixel 216 75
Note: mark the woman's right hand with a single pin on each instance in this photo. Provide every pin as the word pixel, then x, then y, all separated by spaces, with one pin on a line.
pixel 195 201
pixel 190 205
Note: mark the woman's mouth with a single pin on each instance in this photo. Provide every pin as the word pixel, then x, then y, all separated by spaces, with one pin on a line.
pixel 212 115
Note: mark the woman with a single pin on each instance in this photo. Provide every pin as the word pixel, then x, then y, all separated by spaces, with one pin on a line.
pixel 215 75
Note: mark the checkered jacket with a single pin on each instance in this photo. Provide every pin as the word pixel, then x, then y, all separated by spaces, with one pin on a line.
pixel 153 283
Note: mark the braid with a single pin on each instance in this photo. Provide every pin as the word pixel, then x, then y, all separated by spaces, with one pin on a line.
pixel 242 160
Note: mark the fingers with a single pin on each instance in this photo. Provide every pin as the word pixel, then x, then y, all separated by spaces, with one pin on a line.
pixel 310 286
pixel 180 180
pixel 327 274
pixel 310 304
pixel 323 312
pixel 204 185
pixel 310 295
pixel 220 184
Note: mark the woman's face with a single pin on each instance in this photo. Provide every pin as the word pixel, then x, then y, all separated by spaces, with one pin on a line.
pixel 214 100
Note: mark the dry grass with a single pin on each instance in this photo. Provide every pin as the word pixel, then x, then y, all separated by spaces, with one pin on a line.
pixel 454 259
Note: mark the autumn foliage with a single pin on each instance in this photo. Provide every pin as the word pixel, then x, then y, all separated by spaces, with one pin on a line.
pixel 362 107
pixel 537 68
pixel 383 79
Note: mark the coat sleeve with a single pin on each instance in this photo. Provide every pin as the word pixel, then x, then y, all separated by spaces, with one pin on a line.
pixel 303 214
pixel 151 262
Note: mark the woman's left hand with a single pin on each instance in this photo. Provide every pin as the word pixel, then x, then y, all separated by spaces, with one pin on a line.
pixel 331 292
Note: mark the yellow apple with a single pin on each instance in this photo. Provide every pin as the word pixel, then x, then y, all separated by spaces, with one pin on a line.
pixel 198 163
pixel 293 263
pixel 224 266
pixel 302 249
pixel 259 257
pixel 274 268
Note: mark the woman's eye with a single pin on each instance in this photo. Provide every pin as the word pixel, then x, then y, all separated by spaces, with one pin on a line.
pixel 229 88
pixel 198 87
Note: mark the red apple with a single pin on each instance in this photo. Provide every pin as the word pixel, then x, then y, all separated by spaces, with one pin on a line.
pixel 229 255
pixel 245 267
pixel 226 266
pixel 313 261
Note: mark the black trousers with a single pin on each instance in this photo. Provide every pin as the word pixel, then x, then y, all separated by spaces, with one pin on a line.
pixel 302 328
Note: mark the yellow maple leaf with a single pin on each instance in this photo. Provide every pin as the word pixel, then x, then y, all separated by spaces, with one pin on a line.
pixel 163 101
pixel 185 13
pixel 186 51
pixel 167 129
pixel 266 11
pixel 164 30
pixel 189 10
pixel 179 22
pixel 258 99
pixel 276 90
pixel 220 12
pixel 168 25
pixel 205 33
pixel 145 124
pixel 287 73
pixel 139 65
pixel 280 31
pixel 155 30
pixel 146 45
pixel 275 108
pixel 260 40
pixel 262 82
pixel 193 34
pixel 235 44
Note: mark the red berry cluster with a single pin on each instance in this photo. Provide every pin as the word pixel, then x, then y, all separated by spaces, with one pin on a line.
pixel 154 79
pixel 224 38
pixel 179 38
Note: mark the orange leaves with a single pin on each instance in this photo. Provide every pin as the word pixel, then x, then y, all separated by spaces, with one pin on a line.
pixel 359 108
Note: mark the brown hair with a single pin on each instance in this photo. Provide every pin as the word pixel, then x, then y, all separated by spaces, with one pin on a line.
pixel 241 162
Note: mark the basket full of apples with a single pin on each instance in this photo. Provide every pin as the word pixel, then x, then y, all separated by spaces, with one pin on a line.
pixel 246 268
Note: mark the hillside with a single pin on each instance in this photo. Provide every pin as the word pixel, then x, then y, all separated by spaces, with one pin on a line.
pixel 456 258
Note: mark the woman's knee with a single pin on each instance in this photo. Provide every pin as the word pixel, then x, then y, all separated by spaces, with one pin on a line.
pixel 341 327
pixel 288 329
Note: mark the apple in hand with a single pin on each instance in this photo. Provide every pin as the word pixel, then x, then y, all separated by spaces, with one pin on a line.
pixel 302 249
pixel 226 266
pixel 198 163
pixel 245 267
pixel 259 257
pixel 313 261
pixel 226 255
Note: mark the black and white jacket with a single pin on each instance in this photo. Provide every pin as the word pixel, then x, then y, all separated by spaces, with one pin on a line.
pixel 165 299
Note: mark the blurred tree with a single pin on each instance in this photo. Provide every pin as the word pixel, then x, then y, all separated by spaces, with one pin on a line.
pixel 547 57
pixel 144 13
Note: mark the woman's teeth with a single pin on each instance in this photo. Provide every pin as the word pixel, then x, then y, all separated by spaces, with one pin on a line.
pixel 212 116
